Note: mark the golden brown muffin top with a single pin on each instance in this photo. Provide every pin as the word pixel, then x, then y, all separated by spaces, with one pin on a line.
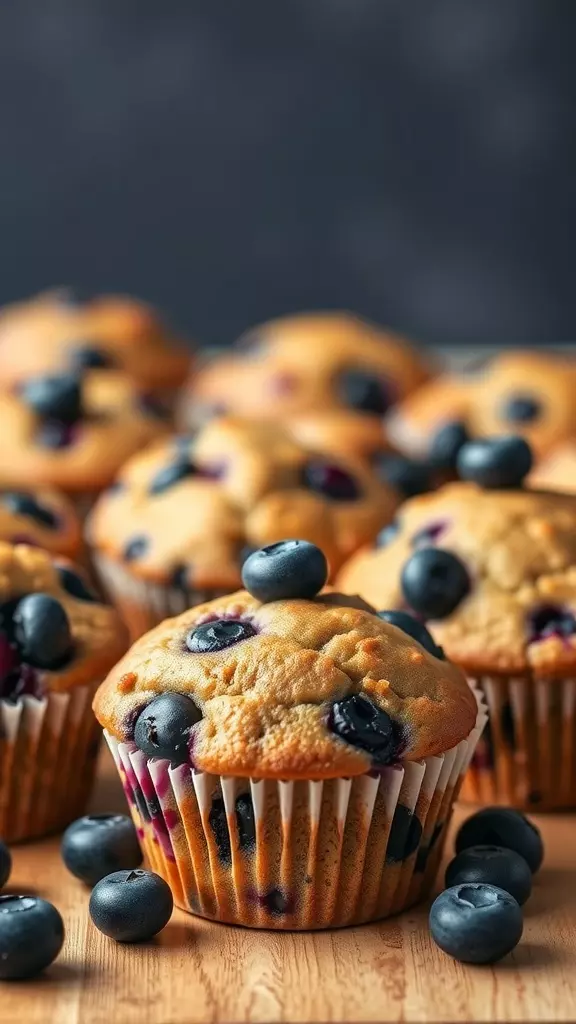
pixel 339 432
pixel 81 448
pixel 519 551
pixel 236 484
pixel 96 637
pixel 52 333
pixel 44 519
pixel 271 705
pixel 557 470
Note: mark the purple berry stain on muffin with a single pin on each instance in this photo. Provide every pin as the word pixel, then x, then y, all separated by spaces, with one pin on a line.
pixel 550 620
pixel 330 480
pixel 277 903
pixel 431 533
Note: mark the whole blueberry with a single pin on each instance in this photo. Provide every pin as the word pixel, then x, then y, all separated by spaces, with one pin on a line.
pixel 94 846
pixel 364 391
pixel 330 480
pixel 42 631
pixel 434 582
pixel 414 628
pixel 216 636
pixel 131 906
pixel 163 729
pixel 87 356
pixel 75 585
pixel 31 936
pixel 503 826
pixel 407 476
pixel 521 408
pixel 494 865
pixel 169 475
pixel 446 444
pixel 288 569
pixel 27 505
pixel 5 864
pixel 496 462
pixel 55 397
pixel 358 721
pixel 476 923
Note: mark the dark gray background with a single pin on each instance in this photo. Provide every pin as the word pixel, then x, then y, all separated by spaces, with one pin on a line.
pixel 236 159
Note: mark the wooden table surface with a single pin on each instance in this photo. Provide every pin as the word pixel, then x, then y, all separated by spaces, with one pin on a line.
pixel 197 971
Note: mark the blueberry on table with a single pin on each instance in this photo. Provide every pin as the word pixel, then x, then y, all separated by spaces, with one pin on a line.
pixel 494 865
pixel 42 631
pixel 445 445
pixel 131 906
pixel 434 582
pixel 56 398
pixel 94 846
pixel 414 628
pixel 496 462
pixel 163 728
pixel 5 864
pixel 476 924
pixel 503 826
pixel 31 936
pixel 288 569
pixel 407 476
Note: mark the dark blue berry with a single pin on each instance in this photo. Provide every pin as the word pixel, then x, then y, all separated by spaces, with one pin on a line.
pixel 476 924
pixel 153 406
pixel 288 569
pixel 276 903
pixel 359 722
pixel 330 481
pixel 219 825
pixel 85 356
pixel 405 835
pixel 163 729
pixel 56 398
pixel 216 636
pixel 550 620
pixel 131 906
pixel 94 846
pixel 412 627
pixel 171 474
pixel 55 435
pixel 434 582
pixel 498 462
pixel 387 535
pixel 246 823
pixel 364 391
pixel 407 476
pixel 27 505
pixel 495 865
pixel 502 826
pixel 135 548
pixel 446 444
pixel 31 936
pixel 5 864
pixel 180 577
pixel 73 583
pixel 42 631
pixel 521 408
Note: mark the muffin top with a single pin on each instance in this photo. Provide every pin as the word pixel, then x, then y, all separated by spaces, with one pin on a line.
pixel 72 431
pixel 55 333
pixel 185 509
pixel 557 470
pixel 492 571
pixel 310 362
pixel 54 634
pixel 289 689
pixel 339 432
pixel 43 519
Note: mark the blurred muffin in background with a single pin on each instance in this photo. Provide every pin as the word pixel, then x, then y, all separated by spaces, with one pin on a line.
pixel 56 332
pixel 557 471
pixel 41 519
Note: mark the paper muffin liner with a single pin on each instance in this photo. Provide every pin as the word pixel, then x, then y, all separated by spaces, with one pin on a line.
pixel 295 855
pixel 48 753
pixel 526 757
pixel 143 604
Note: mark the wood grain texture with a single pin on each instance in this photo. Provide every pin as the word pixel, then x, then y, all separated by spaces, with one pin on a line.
pixel 200 972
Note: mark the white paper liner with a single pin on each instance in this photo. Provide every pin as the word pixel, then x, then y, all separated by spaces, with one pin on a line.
pixel 48 751
pixel 527 755
pixel 326 854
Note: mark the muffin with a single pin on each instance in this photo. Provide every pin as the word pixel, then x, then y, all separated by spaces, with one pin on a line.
pixel 557 471
pixel 500 563
pixel 313 362
pixel 56 645
pixel 55 332
pixel 43 519
pixel 340 432
pixel 73 432
pixel 290 763
pixel 175 528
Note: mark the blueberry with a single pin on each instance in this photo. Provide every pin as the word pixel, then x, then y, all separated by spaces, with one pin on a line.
pixel 521 408
pixel 171 474
pixel 98 844
pixel 5 864
pixel 27 505
pixel 54 434
pixel 358 721
pixel 180 577
pixel 131 906
pixel 434 582
pixel 365 391
pixel 163 729
pixel 405 835
pixel 407 476
pixel 42 631
pixel 276 902
pixel 219 825
pixel 446 444
pixel 135 548
pixel 550 620
pixel 55 397
pixel 329 480
pixel 412 627
pixel 218 635
pixel 498 462
pixel 502 826
pixel 73 583
pixel 86 356
pixel 31 936
pixel 387 535
pixel 288 569
pixel 476 924
pixel 246 823
pixel 494 865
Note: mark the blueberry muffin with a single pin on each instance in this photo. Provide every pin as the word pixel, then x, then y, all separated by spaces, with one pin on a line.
pixel 73 432
pixel 290 760
pixel 177 524
pixel 491 567
pixel 57 332
pixel 43 519
pixel 57 642
pixel 557 470
pixel 340 432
